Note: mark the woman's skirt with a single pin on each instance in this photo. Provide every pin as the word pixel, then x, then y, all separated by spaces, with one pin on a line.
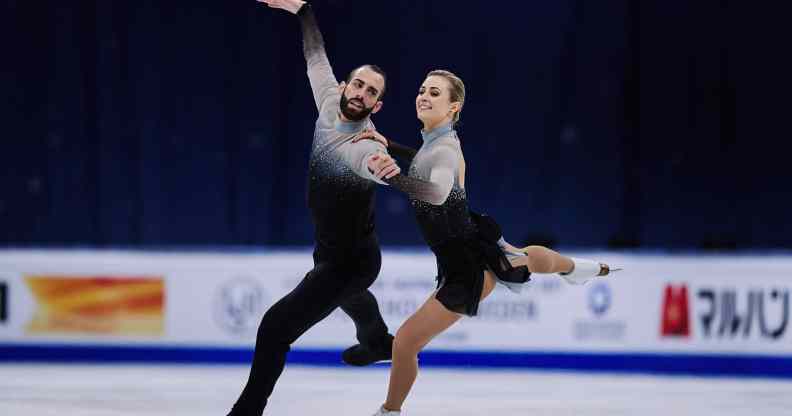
pixel 461 263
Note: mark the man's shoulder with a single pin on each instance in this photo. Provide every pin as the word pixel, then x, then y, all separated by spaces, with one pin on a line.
pixel 329 110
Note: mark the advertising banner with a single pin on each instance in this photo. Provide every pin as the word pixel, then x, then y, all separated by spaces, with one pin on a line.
pixel 659 305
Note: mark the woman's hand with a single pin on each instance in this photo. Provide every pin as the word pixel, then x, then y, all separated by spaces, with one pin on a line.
pixel 292 6
pixel 371 135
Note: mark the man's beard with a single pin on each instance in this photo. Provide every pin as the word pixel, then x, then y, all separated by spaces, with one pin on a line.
pixel 351 113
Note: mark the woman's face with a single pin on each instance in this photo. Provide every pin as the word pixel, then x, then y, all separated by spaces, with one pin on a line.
pixel 433 103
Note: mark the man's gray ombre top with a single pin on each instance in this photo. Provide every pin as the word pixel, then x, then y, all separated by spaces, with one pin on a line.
pixel 340 186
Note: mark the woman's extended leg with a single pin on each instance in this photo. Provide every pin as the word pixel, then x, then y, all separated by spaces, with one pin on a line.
pixel 540 259
pixel 574 270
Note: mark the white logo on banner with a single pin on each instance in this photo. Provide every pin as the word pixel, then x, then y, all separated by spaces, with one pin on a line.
pixel 239 306
pixel 600 300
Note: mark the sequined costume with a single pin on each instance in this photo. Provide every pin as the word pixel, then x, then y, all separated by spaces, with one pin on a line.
pixel 346 256
pixel 464 243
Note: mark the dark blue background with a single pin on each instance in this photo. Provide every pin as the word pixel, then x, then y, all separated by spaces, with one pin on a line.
pixel 593 124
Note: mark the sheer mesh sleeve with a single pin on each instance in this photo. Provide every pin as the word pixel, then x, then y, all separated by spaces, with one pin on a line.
pixel 356 155
pixel 320 73
pixel 444 162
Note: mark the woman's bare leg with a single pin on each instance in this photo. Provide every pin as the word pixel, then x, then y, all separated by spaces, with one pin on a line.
pixel 540 259
pixel 575 271
pixel 431 319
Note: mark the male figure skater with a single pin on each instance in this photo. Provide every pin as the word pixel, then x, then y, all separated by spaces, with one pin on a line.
pixel 341 199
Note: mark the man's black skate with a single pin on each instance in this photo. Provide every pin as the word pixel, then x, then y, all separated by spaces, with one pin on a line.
pixel 362 355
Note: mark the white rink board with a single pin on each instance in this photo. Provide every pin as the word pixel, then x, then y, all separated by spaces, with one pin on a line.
pixel 736 305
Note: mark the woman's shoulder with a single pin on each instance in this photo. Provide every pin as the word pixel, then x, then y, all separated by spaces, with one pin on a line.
pixel 445 148
pixel 449 139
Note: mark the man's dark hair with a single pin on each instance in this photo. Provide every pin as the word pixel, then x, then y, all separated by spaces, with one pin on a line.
pixel 373 68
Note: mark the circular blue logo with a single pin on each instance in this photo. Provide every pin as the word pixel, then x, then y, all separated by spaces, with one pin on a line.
pixel 599 299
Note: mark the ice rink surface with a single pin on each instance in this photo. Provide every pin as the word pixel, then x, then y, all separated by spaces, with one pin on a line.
pixel 112 390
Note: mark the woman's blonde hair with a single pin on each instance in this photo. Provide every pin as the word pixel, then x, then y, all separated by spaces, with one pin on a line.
pixel 457 90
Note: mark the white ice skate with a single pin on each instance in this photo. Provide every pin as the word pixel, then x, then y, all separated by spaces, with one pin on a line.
pixel 383 412
pixel 586 270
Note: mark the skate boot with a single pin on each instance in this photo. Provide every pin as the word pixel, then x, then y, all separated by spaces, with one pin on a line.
pixel 362 355
pixel 383 412
pixel 586 270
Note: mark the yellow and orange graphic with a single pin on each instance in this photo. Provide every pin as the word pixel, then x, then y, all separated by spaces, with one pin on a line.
pixel 132 305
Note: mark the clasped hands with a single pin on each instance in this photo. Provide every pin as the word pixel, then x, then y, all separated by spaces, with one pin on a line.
pixel 380 164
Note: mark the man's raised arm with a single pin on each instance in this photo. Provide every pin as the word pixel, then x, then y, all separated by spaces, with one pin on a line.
pixel 320 73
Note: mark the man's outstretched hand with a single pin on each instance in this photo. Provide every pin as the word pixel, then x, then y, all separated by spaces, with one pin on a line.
pixel 292 6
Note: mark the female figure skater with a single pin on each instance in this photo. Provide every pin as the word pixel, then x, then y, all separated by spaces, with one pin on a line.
pixel 470 250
